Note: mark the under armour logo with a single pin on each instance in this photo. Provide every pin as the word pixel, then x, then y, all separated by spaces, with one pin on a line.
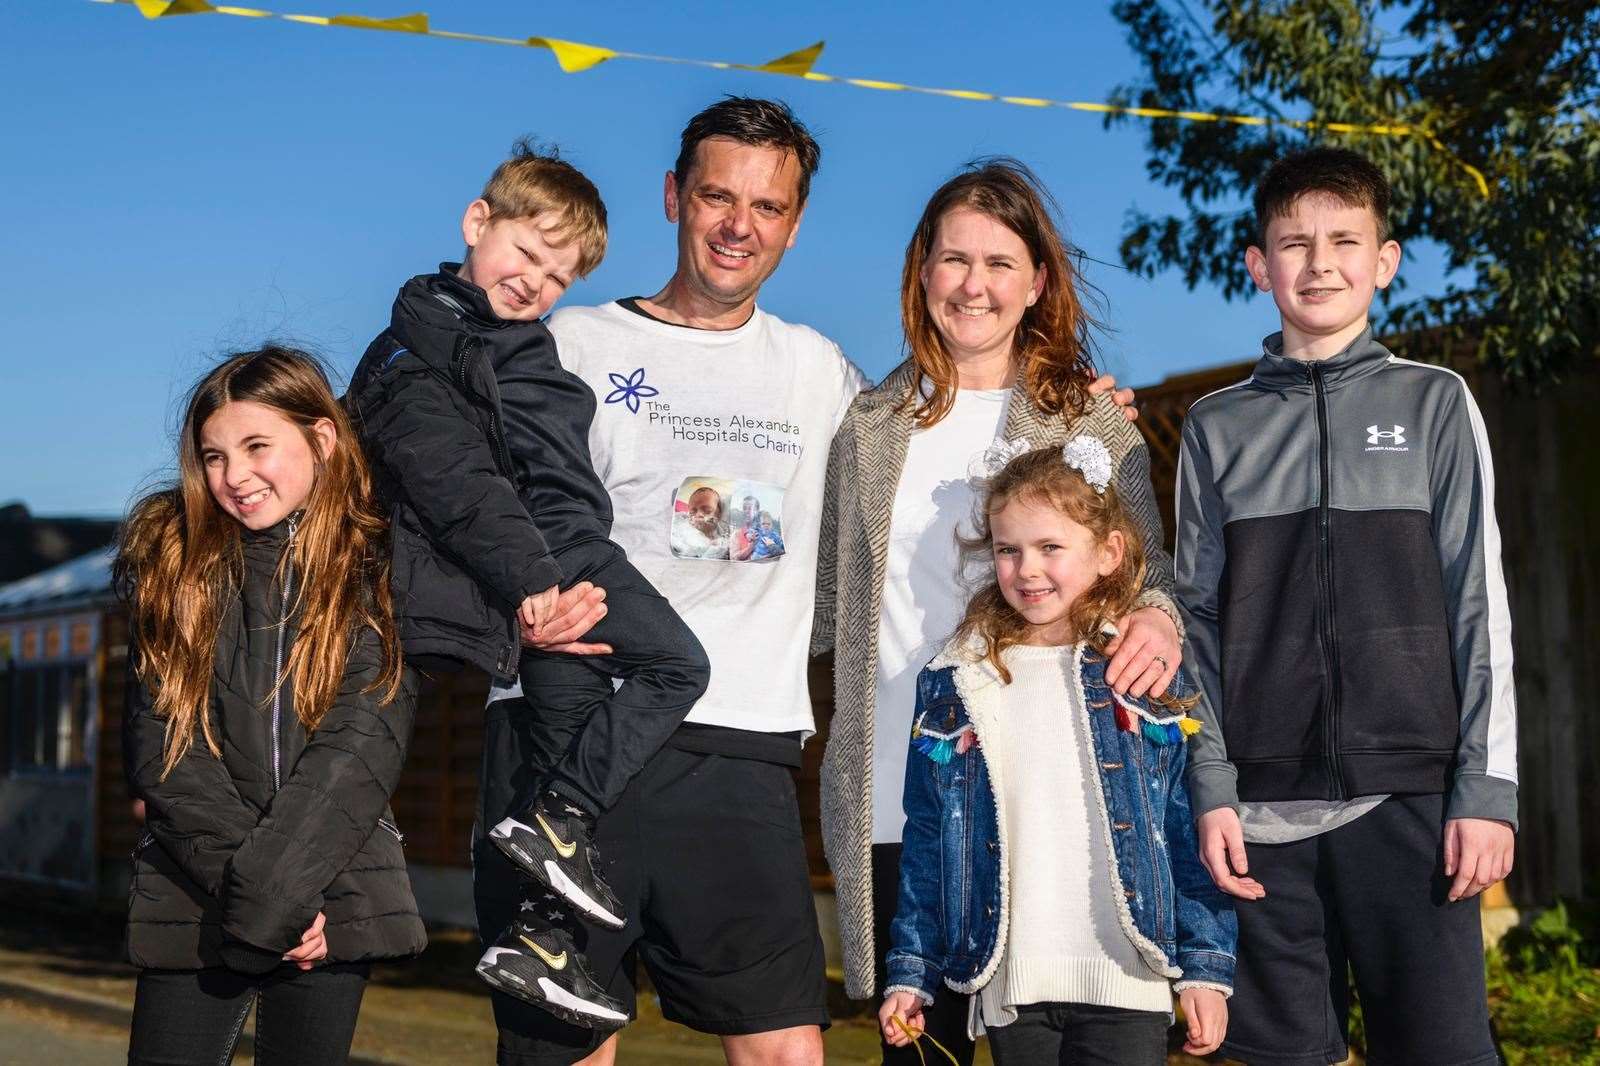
pixel 1397 435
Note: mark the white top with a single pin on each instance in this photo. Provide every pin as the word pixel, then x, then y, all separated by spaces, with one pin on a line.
pixel 923 596
pixel 1064 943
pixel 714 447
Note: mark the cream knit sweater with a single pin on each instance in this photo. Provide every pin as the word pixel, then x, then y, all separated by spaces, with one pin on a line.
pixel 1064 943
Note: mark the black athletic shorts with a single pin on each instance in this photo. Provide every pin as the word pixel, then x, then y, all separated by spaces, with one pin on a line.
pixel 706 853
pixel 1366 898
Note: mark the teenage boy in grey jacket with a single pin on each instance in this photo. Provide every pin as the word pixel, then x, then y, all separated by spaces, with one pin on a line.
pixel 1338 564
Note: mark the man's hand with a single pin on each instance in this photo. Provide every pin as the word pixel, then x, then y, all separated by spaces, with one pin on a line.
pixel 1123 398
pixel 1222 853
pixel 1477 853
pixel 909 1010
pixel 576 611
pixel 535 611
pixel 313 945
pixel 1145 653
pixel 1205 1012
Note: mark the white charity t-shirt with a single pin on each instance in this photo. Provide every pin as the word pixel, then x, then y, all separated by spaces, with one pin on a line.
pixel 924 593
pixel 714 447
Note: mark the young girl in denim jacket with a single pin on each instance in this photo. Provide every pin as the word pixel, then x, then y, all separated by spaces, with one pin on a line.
pixel 1050 867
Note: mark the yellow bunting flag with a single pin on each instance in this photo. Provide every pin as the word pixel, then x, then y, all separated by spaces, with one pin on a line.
pixel 794 64
pixel 154 9
pixel 575 57
pixel 572 56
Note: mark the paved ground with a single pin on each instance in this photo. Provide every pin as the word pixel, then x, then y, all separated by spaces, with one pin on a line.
pixel 66 997
pixel 31 1035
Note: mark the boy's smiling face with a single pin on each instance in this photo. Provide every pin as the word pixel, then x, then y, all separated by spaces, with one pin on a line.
pixel 1322 264
pixel 523 266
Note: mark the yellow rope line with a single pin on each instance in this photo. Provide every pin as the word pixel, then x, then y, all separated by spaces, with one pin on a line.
pixel 919 1035
pixel 575 56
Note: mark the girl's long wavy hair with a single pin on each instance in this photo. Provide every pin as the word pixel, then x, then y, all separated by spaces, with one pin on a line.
pixel 181 558
pixel 1054 346
pixel 1042 477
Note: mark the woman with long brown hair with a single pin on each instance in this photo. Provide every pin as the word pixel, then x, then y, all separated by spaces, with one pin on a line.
pixel 267 721
pixel 999 345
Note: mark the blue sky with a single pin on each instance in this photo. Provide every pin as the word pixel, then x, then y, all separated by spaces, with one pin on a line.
pixel 177 189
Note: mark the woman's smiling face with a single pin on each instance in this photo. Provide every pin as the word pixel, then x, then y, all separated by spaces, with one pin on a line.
pixel 978 280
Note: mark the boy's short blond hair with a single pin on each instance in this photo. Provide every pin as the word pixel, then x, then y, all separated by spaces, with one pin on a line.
pixel 535 182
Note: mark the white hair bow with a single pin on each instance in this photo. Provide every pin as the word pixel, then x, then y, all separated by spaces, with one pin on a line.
pixel 995 457
pixel 1088 456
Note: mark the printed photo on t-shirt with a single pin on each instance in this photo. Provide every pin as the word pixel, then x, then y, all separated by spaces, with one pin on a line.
pixel 723 518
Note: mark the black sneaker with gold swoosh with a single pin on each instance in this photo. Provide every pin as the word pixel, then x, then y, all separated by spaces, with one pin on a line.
pixel 552 842
pixel 541 964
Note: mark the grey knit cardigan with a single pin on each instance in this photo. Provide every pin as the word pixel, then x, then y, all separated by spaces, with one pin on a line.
pixel 864 466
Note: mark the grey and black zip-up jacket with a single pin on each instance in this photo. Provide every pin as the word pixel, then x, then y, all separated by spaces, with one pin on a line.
pixel 241 852
pixel 1338 566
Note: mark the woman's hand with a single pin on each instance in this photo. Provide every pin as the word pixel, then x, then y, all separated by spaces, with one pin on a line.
pixel 908 1008
pixel 1145 654
pixel 313 945
pixel 1205 1011
pixel 576 611
pixel 1123 398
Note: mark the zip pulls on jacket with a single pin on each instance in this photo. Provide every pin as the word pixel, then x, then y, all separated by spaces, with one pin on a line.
pixel 467 349
pixel 497 436
pixel 277 659
pixel 1325 619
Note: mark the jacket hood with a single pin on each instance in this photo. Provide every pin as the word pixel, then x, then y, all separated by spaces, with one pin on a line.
pixel 1274 370
pixel 432 310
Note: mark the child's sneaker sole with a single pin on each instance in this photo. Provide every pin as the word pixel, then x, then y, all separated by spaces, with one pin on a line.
pixel 546 994
pixel 527 848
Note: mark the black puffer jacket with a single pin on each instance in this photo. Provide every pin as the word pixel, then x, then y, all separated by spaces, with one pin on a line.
pixel 241 852
pixel 479 438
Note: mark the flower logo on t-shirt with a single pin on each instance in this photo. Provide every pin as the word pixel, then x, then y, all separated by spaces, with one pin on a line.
pixel 631 389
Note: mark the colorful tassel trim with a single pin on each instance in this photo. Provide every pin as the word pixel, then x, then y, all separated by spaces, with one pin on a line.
pixel 1161 734
pixel 942 747
pixel 940 751
pixel 1168 730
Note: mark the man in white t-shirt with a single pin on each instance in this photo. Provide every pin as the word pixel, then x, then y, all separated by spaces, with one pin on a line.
pixel 706 400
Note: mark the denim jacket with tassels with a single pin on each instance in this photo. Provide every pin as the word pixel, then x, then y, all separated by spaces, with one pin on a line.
pixel 954 898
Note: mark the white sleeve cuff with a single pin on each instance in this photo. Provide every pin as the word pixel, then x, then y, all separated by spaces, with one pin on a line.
pixel 1227 991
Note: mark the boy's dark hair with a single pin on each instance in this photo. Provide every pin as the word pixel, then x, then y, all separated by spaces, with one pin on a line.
pixel 758 123
pixel 1349 177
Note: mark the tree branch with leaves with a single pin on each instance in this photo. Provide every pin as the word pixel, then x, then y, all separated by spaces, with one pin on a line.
pixel 1507 88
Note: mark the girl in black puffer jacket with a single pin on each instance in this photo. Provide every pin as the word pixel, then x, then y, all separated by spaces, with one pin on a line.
pixel 267 722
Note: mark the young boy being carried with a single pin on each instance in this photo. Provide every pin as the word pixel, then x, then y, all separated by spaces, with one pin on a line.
pixel 480 439
pixel 1338 564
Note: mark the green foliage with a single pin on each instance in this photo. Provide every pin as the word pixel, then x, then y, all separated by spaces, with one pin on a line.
pixel 1544 990
pixel 1510 88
